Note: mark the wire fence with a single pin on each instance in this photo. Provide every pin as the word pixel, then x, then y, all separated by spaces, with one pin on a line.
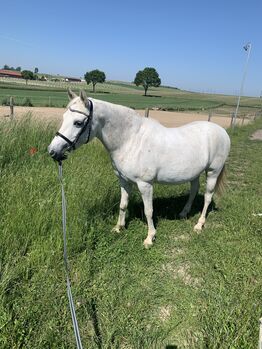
pixel 32 100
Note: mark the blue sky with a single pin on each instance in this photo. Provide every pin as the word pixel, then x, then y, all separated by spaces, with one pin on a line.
pixel 194 45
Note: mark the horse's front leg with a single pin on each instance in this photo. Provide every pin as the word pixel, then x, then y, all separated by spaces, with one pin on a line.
pixel 125 192
pixel 146 190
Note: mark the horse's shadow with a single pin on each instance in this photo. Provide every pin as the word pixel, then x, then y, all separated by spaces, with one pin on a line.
pixel 168 208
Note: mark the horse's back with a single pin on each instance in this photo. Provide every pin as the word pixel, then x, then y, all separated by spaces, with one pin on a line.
pixel 199 134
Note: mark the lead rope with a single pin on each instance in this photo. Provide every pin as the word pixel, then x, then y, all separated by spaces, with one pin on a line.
pixel 69 293
pixel 260 334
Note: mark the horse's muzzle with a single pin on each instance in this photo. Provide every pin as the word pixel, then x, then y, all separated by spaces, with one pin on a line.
pixel 56 156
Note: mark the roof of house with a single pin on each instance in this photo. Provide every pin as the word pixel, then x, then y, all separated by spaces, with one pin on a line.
pixel 10 72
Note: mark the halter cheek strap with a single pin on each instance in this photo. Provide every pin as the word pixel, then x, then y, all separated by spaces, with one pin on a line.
pixel 87 125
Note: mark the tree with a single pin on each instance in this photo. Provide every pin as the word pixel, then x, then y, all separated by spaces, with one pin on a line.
pixel 27 75
pixel 6 67
pixel 147 77
pixel 94 77
pixel 36 70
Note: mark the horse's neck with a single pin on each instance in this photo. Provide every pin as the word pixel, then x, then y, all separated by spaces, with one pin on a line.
pixel 116 125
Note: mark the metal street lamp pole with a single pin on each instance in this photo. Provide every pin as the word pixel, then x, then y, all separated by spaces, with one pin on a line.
pixel 247 48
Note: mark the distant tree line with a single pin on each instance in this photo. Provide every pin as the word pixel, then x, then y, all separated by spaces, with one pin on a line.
pixel 6 67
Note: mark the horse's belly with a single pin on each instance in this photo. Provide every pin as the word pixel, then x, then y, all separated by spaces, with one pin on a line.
pixel 179 174
pixel 167 166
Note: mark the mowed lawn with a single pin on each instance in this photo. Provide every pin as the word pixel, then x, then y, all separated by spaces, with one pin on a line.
pixel 47 94
pixel 58 98
pixel 188 291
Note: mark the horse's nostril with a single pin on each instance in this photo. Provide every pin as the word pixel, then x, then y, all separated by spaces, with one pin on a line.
pixel 52 153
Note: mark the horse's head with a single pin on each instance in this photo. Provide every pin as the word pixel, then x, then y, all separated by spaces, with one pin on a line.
pixel 76 127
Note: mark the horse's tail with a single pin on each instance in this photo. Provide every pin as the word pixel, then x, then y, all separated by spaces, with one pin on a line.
pixel 221 181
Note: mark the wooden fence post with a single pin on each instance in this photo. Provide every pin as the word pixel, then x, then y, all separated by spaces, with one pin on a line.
pixel 146 112
pixel 11 108
pixel 209 116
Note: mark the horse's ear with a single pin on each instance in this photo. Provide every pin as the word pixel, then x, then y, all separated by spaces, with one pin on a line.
pixel 71 94
pixel 83 96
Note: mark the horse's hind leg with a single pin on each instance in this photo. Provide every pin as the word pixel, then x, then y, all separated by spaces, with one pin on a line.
pixel 146 190
pixel 193 191
pixel 125 192
pixel 210 188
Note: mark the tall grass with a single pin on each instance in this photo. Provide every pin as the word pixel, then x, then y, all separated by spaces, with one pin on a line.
pixel 188 291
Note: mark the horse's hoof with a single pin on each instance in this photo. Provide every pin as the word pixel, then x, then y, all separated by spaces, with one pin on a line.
pixel 116 229
pixel 198 227
pixel 182 215
pixel 148 243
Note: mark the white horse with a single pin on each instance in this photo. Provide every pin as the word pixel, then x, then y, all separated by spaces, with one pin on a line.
pixel 143 151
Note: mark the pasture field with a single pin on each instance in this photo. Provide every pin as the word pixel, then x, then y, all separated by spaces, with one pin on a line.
pixel 53 94
pixel 188 291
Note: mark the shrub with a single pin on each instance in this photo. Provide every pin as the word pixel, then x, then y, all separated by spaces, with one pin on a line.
pixel 27 102
pixel 5 101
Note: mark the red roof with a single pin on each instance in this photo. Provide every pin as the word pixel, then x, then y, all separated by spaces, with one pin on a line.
pixel 10 72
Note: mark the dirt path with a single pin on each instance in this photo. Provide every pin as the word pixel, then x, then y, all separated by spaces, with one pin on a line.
pixel 175 119
pixel 37 112
pixel 168 119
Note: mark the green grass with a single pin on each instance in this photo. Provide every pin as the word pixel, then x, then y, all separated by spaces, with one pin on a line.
pixel 39 97
pixel 42 97
pixel 189 290
pixel 54 94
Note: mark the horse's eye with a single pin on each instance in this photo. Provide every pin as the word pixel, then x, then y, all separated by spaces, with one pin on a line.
pixel 78 123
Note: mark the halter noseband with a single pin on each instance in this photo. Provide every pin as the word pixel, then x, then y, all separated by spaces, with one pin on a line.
pixel 87 124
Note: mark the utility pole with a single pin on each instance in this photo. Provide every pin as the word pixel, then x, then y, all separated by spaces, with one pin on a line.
pixel 247 48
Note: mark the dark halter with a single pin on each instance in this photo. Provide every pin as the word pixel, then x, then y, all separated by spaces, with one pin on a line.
pixel 87 125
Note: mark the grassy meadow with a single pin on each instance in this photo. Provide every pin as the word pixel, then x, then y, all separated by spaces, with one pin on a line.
pixel 188 291
pixel 53 94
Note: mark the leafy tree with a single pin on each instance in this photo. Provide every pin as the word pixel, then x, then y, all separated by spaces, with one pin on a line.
pixel 147 77
pixel 36 70
pixel 6 67
pixel 94 77
pixel 28 75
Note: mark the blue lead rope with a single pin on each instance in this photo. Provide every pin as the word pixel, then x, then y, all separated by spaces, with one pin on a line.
pixel 69 293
